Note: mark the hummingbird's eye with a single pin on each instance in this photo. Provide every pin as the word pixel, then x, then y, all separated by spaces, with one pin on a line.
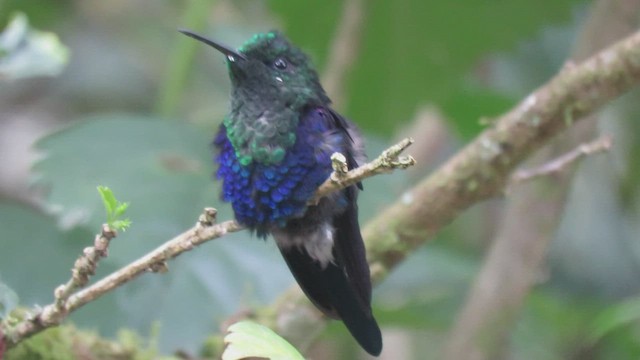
pixel 280 64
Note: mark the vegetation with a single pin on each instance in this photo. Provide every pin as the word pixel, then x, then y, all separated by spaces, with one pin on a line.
pixel 544 268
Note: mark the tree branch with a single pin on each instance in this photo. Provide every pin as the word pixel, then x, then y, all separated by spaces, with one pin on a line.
pixel 482 168
pixel 477 172
pixel 532 213
pixel 561 163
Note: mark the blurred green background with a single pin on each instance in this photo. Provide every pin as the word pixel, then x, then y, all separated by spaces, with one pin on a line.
pixel 137 105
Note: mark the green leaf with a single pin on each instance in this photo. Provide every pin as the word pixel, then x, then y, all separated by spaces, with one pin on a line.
pixel 108 199
pixel 615 317
pixel 121 224
pixel 25 52
pixel 247 339
pixel 120 209
pixel 8 300
pixel 114 208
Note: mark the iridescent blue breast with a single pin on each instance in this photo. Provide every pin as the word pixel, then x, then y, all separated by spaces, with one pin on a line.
pixel 266 196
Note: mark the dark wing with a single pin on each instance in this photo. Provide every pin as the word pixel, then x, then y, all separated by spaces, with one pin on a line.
pixel 311 278
pixel 342 289
pixel 349 246
pixel 350 257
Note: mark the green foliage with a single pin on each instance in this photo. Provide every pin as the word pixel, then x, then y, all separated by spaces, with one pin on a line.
pixel 42 13
pixel 414 52
pixel 52 344
pixel 471 60
pixel 25 52
pixel 181 58
pixel 247 339
pixel 68 343
pixel 141 348
pixel 615 317
pixel 212 346
pixel 476 107
pixel 115 209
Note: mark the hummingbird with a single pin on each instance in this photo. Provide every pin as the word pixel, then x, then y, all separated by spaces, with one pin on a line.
pixel 273 152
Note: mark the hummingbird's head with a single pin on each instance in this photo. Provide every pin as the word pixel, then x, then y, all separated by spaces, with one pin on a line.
pixel 269 68
pixel 272 84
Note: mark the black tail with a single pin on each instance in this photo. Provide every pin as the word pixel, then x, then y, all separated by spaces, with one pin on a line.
pixel 330 290
pixel 342 290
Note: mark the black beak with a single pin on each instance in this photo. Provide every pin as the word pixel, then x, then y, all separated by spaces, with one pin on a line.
pixel 230 53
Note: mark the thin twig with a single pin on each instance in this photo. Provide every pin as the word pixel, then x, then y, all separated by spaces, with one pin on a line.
pixel 561 163
pixel 388 161
pixel 86 264
pixel 156 261
pixel 83 268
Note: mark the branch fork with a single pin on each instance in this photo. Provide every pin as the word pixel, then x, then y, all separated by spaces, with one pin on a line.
pixel 565 161
pixel 388 161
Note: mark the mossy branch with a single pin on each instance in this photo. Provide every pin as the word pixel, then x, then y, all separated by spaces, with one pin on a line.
pixel 479 171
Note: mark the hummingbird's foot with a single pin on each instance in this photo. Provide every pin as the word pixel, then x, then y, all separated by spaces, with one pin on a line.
pixel 208 217
pixel 340 167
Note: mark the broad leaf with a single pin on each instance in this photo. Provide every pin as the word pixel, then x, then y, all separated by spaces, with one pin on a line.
pixel 25 52
pixel 247 339
pixel 615 317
